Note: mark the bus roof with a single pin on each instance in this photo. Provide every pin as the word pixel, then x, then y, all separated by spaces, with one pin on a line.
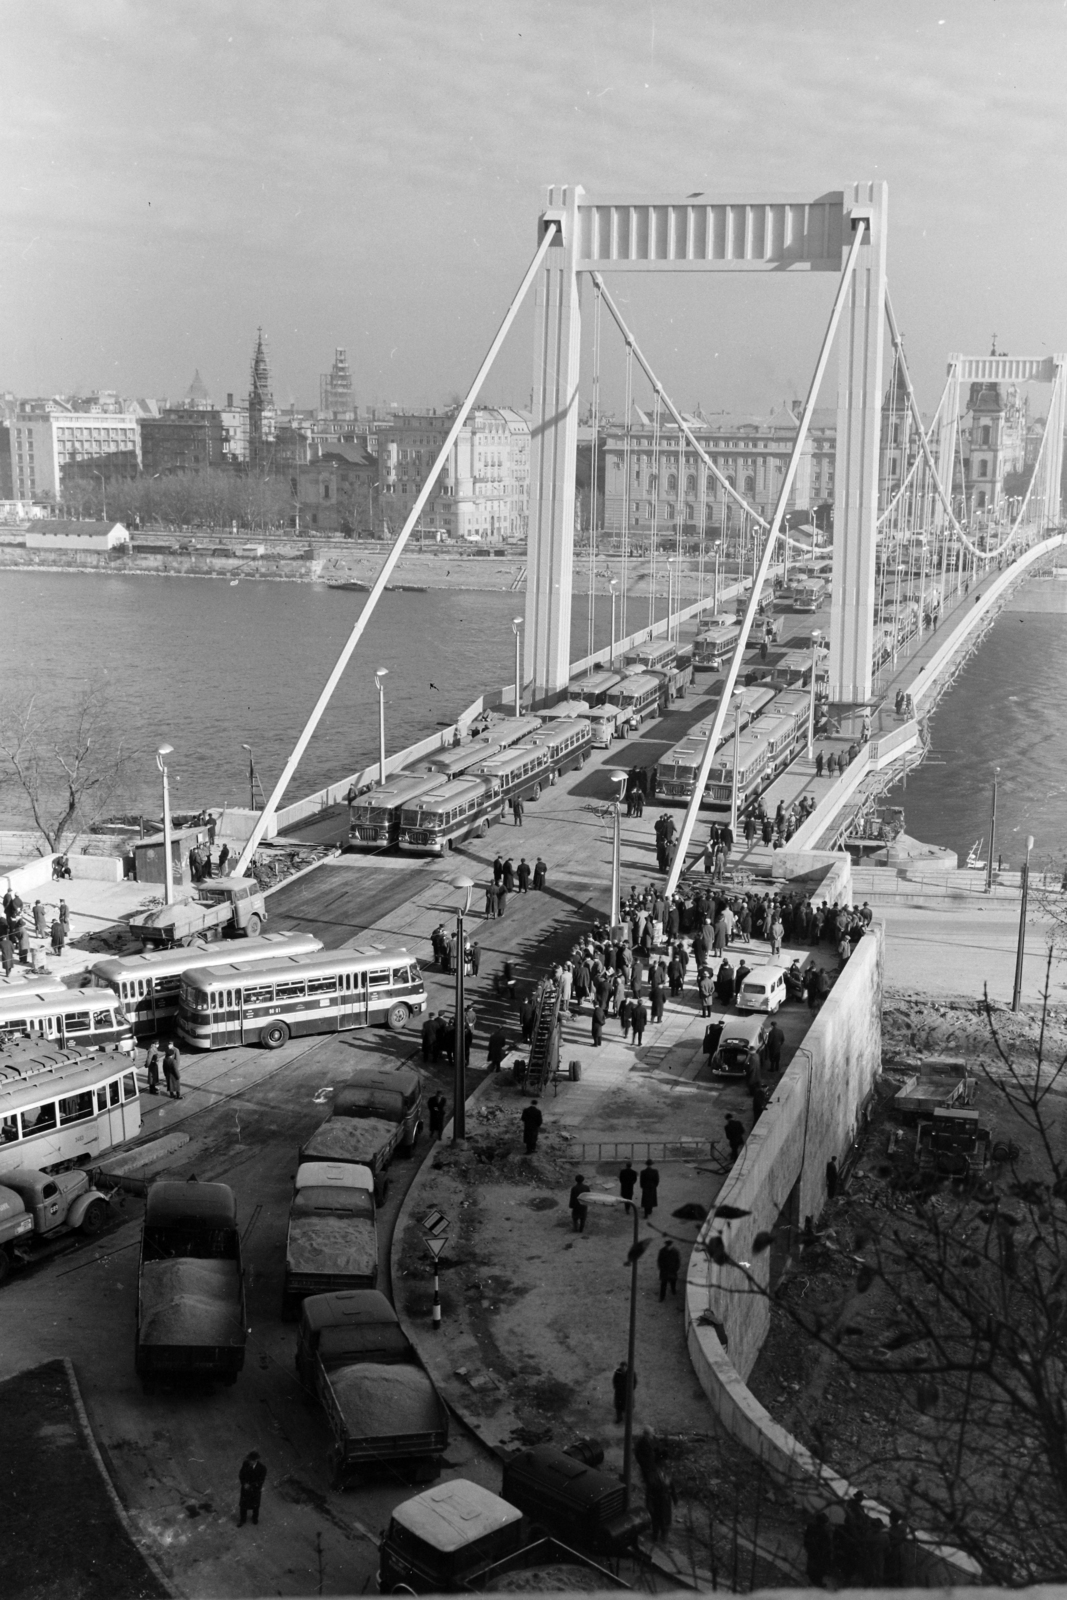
pixel 506 760
pixel 321 961
pixel 455 1514
pixel 400 787
pixel 189 1205
pixel 113 968
pixel 447 795
pixel 602 678
pixel 22 1060
pixel 637 683
pixel 458 759
pixel 72 1079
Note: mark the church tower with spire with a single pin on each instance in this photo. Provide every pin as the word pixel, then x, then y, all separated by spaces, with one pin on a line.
pixel 261 412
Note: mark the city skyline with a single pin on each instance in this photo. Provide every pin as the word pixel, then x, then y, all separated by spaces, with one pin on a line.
pixel 340 183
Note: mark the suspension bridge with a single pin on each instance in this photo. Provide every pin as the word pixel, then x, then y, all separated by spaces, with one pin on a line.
pixel 900 483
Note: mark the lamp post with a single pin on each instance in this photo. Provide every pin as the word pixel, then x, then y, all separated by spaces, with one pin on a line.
pixel 619 780
pixel 670 598
pixel 715 582
pixel 251 778
pixel 816 640
pixel 1016 993
pixel 628 1436
pixel 168 865
pixel 380 675
pixel 459 1080
pixel 739 700
pixel 516 628
pixel 992 835
pixel 613 586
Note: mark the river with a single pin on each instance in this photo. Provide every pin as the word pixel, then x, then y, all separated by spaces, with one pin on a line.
pixel 208 667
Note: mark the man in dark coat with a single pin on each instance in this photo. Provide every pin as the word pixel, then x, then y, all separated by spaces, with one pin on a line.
pixel 628 1181
pixel 429 1035
pixel 819 1545
pixel 735 1135
pixel 540 872
pixel 435 1105
pixel 668 1265
pixel 649 1186
pixel 775 1041
pixel 578 1211
pixel 252 1476
pixel 531 1126
pixel 598 1024
pixel 639 1022
pixel 523 875
pixel 527 1018
pixel 618 1388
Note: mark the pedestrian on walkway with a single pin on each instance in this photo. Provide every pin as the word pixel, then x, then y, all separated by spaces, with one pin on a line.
pixel 58 937
pixel 819 759
pixel 540 872
pixel 40 919
pixel 777 932
pixel 639 1022
pixel 435 1105
pixel 501 900
pixel 531 1126
pixel 7 954
pixel 428 1035
pixel 649 1185
pixel 517 810
pixel 527 1018
pixel 64 917
pixel 668 1265
pixel 495 1051
pixel 620 1383
pixel 773 1047
pixel 498 870
pixel 474 956
pixel 706 990
pixel 625 1014
pixel 628 1182
pixel 598 1025
pixel 578 1212
pixel 660 1498
pixel 252 1476
pixel 735 1135
pixel 523 875
pixel 172 1064
pixel 151 1067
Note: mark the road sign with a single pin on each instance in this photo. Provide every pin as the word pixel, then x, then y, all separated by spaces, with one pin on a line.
pixel 435 1222
pixel 435 1246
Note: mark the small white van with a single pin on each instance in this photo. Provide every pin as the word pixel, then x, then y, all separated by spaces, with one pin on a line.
pixel 762 990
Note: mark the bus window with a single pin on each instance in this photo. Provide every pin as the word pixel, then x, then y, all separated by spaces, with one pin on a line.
pixel 229 997
pixel 401 975
pixel 325 985
pixel 348 980
pixel 75 1108
pixel 129 1086
pixel 103 1019
pixel 39 1119
pixel 9 1130
pixel 290 991
pixel 113 1092
pixel 76 1022
pixel 261 996
pixel 101 1098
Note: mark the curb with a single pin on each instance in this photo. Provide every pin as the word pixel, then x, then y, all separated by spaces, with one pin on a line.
pixel 139 1543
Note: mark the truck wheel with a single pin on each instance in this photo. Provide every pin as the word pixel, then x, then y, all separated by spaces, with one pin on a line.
pixel 253 926
pixel 409 1148
pixel 274 1035
pixel 94 1219
pixel 397 1016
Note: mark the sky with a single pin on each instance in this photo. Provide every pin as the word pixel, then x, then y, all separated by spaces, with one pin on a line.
pixel 369 173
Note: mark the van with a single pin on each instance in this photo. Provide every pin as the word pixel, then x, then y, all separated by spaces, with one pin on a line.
pixel 739 1036
pixel 568 1500
pixel 762 990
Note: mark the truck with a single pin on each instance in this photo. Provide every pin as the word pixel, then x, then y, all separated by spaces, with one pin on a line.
pixel 373 1115
pixel 332 1239
pixel 230 906
pixel 563 1497
pixel 191 1316
pixel 458 1537
pixel 382 1409
pixel 38 1208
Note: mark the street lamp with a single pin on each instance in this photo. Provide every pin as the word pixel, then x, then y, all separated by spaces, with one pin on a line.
pixel 613 587
pixel 739 700
pixel 1021 951
pixel 992 835
pixel 168 865
pixel 717 548
pixel 251 778
pixel 619 779
pixel 816 640
pixel 459 1079
pixel 380 675
pixel 591 1198
pixel 516 628
pixel 670 597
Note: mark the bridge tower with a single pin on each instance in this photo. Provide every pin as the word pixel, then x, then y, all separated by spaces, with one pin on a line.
pixel 793 233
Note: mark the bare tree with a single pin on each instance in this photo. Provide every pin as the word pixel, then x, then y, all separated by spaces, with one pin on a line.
pixel 69 770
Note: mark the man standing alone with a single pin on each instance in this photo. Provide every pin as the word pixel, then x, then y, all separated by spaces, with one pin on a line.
pixel 649 1184
pixel 252 1476
pixel 668 1263
pixel 531 1126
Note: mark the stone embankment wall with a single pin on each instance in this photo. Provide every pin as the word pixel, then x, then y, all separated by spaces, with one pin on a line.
pixel 173 564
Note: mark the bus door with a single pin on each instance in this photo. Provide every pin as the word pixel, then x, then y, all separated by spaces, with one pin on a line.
pixel 352 999
pixel 109 1111
pixel 226 1015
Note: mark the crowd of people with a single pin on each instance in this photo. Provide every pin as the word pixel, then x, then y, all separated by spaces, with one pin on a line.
pixel 19 930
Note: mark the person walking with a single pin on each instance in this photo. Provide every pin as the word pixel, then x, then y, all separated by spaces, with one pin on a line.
pixel 735 1135
pixel 620 1383
pixel 777 933
pixel 531 1120
pixel 495 1051
pixel 151 1067
pixel 501 900
pixel 540 873
pixel 498 870
pixel 578 1212
pixel 668 1265
pixel 625 1014
pixel 40 919
pixel 58 937
pixel 639 1022
pixel 64 917
pixel 775 1041
pixel 252 1477
pixel 7 954
pixel 428 1035
pixel 172 1073
pixel 819 760
pixel 517 810
pixel 435 1105
pixel 628 1182
pixel 649 1186
pixel 598 1025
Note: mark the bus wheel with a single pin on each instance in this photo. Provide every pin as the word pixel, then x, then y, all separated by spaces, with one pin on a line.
pixel 535 792
pixel 94 1219
pixel 253 926
pixel 274 1035
pixel 397 1016
pixel 482 829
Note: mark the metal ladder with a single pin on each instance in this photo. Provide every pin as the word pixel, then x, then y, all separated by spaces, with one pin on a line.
pixel 543 1063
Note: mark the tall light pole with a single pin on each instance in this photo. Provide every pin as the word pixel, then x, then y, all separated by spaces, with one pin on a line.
pixel 715 590
pixel 380 675
pixel 1016 993
pixel 635 1256
pixel 739 700
pixel 516 628
pixel 992 835
pixel 251 778
pixel 614 588
pixel 816 640
pixel 670 597
pixel 459 1080
pixel 168 865
pixel 619 780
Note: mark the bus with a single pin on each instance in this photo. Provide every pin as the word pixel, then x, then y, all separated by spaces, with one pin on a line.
pixel 67 1113
pixel 782 735
pixel 325 993
pixel 676 772
pixel 714 647
pixel 374 819
pixel 593 690
pixel 656 656
pixel 754 771
pixel 443 818
pixel 809 596
pixel 568 742
pixel 639 696
pixel 519 773
pixel 148 984
pixel 80 1017
pixel 453 763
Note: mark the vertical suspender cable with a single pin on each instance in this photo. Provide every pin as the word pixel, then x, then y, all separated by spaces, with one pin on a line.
pixel 593 474
pixel 378 588
pixel 629 401
pixel 657 470
pixel 715 732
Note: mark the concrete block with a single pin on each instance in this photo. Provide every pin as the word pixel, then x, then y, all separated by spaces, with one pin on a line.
pixel 105 869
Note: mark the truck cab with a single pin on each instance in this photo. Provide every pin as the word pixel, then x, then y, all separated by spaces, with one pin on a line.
pixel 440 1541
pixel 37 1205
pixel 226 905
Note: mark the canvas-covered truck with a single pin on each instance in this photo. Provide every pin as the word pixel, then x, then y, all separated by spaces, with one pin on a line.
pixel 332 1240
pixel 382 1409
pixel 373 1115
pixel 37 1208
pixel 563 1497
pixel 458 1537
pixel 191 1318
pixel 224 907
